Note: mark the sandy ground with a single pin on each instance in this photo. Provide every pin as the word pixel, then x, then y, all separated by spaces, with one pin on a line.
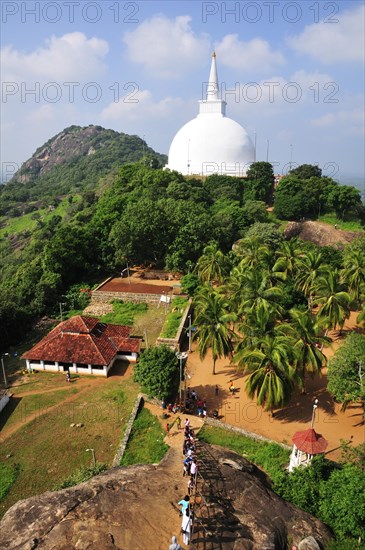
pixel 239 410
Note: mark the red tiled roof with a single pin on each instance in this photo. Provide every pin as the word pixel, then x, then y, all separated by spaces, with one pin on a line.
pixel 310 442
pixel 84 340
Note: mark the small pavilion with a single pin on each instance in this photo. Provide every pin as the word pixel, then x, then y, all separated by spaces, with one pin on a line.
pixel 306 444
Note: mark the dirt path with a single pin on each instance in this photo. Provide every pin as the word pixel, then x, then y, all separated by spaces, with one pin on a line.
pixel 7 432
pixel 239 410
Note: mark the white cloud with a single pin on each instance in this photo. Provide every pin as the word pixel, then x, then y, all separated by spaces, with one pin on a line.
pixel 167 47
pixel 253 56
pixel 349 118
pixel 71 57
pixel 141 106
pixel 334 42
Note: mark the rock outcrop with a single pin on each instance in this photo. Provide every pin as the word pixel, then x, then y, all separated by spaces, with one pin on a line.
pixel 320 233
pixel 134 508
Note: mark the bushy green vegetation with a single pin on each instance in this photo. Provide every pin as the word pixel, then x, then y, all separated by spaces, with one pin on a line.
pixel 140 214
pixel 145 444
pixel 305 193
pixel 157 372
pixel 173 319
pixel 8 474
pixel 124 313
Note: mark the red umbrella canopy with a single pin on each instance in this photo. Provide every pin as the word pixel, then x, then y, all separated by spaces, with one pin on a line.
pixel 310 442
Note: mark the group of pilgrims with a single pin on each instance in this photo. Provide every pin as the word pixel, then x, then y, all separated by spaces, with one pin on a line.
pixel 190 470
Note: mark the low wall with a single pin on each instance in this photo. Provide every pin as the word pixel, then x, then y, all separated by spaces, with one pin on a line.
pixel 242 431
pixel 107 297
pixel 120 452
pixel 174 343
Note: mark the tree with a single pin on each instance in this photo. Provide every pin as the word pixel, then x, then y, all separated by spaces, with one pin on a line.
pixel 346 372
pixel 266 233
pixel 213 265
pixel 309 267
pixel 306 339
pixel 342 502
pixel 270 372
pixel 213 321
pixel 306 171
pixel 260 182
pixel 334 302
pixel 259 290
pixel 157 372
pixel 292 201
pixel 353 273
pixel 344 199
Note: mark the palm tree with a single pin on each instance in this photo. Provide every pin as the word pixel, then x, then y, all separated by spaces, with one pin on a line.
pixel 254 326
pixel 334 302
pixel 307 343
pixel 271 375
pixel 309 267
pixel 213 265
pixel 258 290
pixel 353 273
pixel 253 252
pixel 213 321
pixel 287 258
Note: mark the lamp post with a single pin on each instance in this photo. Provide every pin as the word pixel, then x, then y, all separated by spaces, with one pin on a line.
pixel 181 356
pixel 61 311
pixel 315 405
pixel 127 270
pixel 93 453
pixel 3 366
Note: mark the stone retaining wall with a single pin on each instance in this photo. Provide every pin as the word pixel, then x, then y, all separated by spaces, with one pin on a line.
pixel 107 297
pixel 120 452
pixel 174 343
pixel 242 431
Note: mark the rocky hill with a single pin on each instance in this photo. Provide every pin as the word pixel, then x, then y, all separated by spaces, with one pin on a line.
pixel 72 161
pixel 135 508
pixel 76 142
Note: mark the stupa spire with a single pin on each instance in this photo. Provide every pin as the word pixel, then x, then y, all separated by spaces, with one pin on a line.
pixel 213 85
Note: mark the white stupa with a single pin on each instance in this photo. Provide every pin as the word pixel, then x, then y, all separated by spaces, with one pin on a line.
pixel 211 143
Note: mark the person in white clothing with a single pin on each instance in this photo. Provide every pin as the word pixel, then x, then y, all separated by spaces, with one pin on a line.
pixel 186 526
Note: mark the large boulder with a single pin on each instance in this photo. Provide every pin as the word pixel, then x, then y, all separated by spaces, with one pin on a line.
pixel 135 508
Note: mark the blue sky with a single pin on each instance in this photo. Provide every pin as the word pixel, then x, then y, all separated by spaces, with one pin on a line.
pixel 292 73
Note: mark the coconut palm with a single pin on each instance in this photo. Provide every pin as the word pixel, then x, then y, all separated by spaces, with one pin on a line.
pixel 287 257
pixel 213 265
pixel 271 374
pixel 254 326
pixel 353 273
pixel 213 321
pixel 333 301
pixel 309 267
pixel 307 343
pixel 253 253
pixel 258 290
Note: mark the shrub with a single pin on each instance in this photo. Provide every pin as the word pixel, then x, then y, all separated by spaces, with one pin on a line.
pixel 157 372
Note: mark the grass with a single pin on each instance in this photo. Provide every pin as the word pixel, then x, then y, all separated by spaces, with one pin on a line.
pixel 26 221
pixel 268 456
pixel 81 475
pixel 331 219
pixel 145 445
pixel 49 451
pixel 22 409
pixel 124 313
pixel 173 319
pixel 8 474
